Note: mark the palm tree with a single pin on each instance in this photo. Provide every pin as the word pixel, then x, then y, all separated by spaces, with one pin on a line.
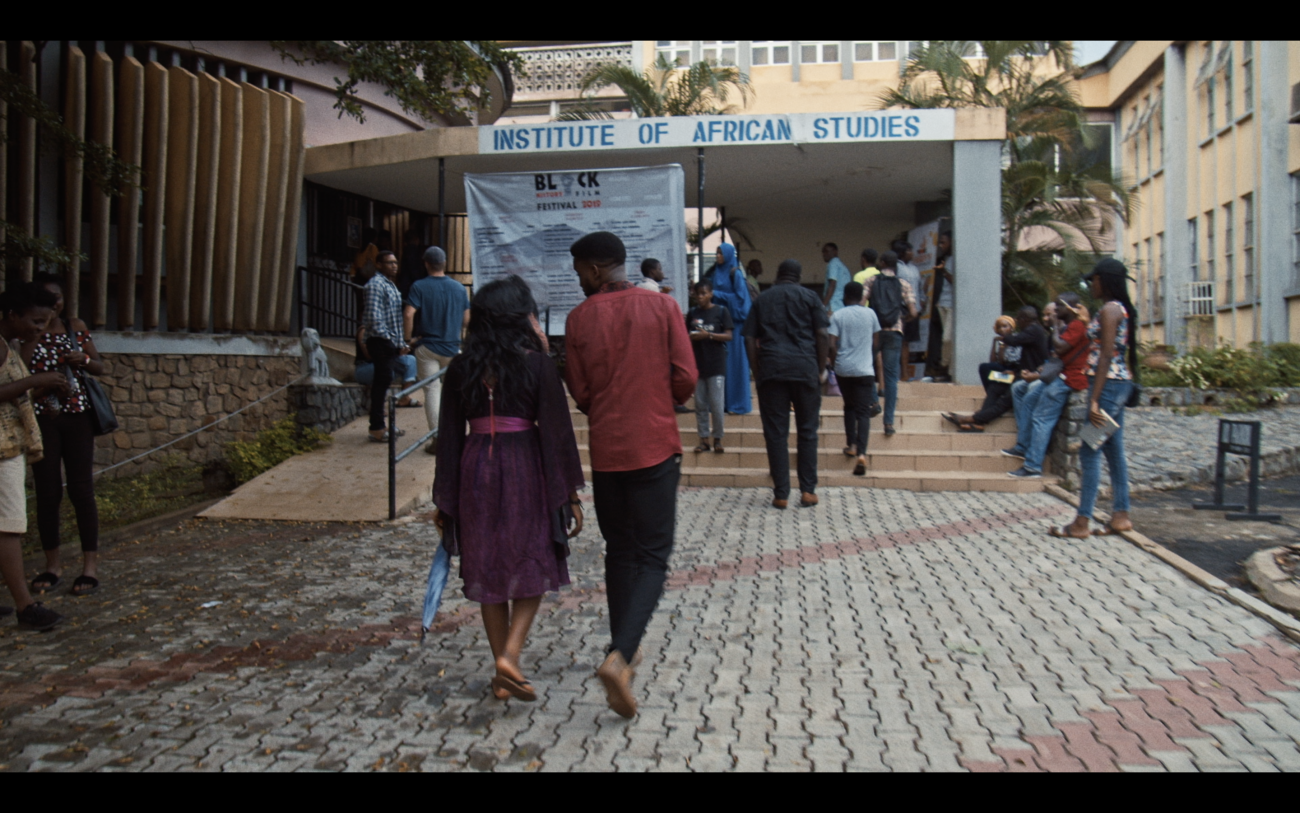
pixel 702 89
pixel 1059 203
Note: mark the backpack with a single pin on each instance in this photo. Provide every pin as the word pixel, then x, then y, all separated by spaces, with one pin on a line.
pixel 887 299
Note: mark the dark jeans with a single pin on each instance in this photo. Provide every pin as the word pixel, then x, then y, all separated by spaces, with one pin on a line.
pixel 774 400
pixel 69 441
pixel 857 392
pixel 637 514
pixel 382 353
pixel 997 396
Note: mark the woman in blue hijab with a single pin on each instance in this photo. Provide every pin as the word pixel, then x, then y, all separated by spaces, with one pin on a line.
pixel 730 290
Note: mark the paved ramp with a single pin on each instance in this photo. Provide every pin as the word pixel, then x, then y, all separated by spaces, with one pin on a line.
pixel 345 481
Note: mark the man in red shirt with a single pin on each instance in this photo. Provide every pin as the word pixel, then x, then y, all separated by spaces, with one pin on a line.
pixel 628 361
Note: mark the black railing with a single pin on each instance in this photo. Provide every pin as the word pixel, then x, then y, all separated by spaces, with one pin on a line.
pixel 329 302
pixel 394 456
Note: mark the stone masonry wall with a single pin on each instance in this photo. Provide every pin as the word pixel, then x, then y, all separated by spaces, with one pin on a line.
pixel 1063 451
pixel 160 397
pixel 328 407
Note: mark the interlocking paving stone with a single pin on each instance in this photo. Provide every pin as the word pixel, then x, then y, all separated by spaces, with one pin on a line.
pixel 882 630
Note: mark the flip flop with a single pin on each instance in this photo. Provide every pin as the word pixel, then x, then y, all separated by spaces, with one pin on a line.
pixel 520 690
pixel 51 581
pixel 1110 530
pixel 1063 532
pixel 84 585
pixel 969 427
pixel 951 418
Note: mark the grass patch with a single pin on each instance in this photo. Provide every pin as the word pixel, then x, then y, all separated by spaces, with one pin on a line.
pixel 176 484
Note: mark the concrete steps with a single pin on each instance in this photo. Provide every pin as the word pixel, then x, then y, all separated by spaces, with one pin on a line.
pixel 926 453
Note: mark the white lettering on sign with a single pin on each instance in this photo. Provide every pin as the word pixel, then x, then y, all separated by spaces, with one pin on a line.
pixel 695 131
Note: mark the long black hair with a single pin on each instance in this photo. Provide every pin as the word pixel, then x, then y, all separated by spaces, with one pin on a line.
pixel 495 350
pixel 1113 275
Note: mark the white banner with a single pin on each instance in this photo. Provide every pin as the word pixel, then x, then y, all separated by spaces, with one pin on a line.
pixel 524 222
pixel 698 131
pixel 925 241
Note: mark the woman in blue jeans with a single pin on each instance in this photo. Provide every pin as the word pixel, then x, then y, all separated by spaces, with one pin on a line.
pixel 1111 362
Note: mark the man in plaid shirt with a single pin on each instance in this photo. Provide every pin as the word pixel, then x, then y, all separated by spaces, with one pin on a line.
pixel 382 319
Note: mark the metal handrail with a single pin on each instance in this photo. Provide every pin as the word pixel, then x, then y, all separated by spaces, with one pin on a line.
pixel 395 457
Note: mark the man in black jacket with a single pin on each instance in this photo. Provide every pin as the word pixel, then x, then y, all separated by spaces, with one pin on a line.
pixel 1026 349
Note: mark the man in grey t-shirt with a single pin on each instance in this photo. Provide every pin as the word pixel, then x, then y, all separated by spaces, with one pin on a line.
pixel 855 345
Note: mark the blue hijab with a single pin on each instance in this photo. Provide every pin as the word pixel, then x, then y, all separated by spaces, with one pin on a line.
pixel 729 286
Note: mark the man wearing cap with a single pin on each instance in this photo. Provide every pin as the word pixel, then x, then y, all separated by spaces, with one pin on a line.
pixel 629 360
pixel 437 310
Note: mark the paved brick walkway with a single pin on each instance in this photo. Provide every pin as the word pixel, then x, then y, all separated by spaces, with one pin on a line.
pixel 883 630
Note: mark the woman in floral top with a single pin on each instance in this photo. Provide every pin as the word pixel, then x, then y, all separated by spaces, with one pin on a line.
pixel 1111 360
pixel 69 438
pixel 25 309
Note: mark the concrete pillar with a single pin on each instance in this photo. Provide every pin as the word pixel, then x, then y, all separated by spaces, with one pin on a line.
pixel 74 116
pixel 977 244
pixel 101 131
pixel 1178 258
pixel 1274 205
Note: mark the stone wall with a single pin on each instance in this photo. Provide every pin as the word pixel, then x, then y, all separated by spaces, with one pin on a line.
pixel 1063 451
pixel 328 407
pixel 159 397
pixel 1187 396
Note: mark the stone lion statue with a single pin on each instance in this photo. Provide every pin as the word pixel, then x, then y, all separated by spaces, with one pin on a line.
pixel 315 365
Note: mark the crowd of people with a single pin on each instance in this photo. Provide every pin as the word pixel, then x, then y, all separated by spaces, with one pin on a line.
pixel 509 472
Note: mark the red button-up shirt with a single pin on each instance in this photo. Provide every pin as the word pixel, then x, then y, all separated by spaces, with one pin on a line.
pixel 628 361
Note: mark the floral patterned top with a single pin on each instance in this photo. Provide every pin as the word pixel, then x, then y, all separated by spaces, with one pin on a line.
pixel 51 347
pixel 1119 361
pixel 19 432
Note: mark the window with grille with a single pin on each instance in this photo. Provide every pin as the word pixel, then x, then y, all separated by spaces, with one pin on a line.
pixel 677 52
pixel 1158 300
pixel 769 52
pixel 1227 84
pixel 1194 243
pixel 1247 76
pixel 875 51
pixel 1248 247
pixel 1150 167
pixel 812 53
pixel 1158 124
pixel 718 52
pixel 1209 245
pixel 1209 107
pixel 1229 271
pixel 1295 228
pixel 1148 283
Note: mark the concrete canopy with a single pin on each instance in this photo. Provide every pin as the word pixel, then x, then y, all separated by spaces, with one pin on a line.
pixel 794 196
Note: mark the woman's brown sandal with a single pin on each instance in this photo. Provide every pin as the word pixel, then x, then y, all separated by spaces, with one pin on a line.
pixel 703 447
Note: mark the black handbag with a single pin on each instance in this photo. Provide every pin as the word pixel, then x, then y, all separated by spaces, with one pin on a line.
pixel 102 418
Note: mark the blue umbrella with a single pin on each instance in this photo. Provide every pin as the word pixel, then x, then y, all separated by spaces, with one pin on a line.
pixel 438 573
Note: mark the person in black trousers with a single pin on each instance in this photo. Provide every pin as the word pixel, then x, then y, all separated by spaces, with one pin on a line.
pixel 69 439
pixel 788 346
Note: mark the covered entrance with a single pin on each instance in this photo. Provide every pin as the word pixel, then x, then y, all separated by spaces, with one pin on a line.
pixel 798 181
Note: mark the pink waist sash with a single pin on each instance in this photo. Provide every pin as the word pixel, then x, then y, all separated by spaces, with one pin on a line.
pixel 483 426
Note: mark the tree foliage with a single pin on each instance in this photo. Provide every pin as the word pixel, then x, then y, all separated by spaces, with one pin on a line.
pixel 702 89
pixel 1059 202
pixel 429 78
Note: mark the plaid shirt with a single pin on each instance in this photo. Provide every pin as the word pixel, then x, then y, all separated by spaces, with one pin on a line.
pixel 909 300
pixel 383 313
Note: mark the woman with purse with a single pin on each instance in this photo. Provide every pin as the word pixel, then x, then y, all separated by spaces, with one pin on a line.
pixel 1112 358
pixel 507 492
pixel 68 435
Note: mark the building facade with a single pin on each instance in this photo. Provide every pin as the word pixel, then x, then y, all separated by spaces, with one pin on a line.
pixel 1207 139
pixel 191 282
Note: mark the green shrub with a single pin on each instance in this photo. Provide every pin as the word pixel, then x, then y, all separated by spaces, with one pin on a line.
pixel 1251 370
pixel 272 446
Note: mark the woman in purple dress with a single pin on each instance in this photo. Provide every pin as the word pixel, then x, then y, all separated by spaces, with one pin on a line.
pixel 507 492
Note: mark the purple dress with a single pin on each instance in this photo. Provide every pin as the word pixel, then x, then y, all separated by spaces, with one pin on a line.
pixel 508 506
